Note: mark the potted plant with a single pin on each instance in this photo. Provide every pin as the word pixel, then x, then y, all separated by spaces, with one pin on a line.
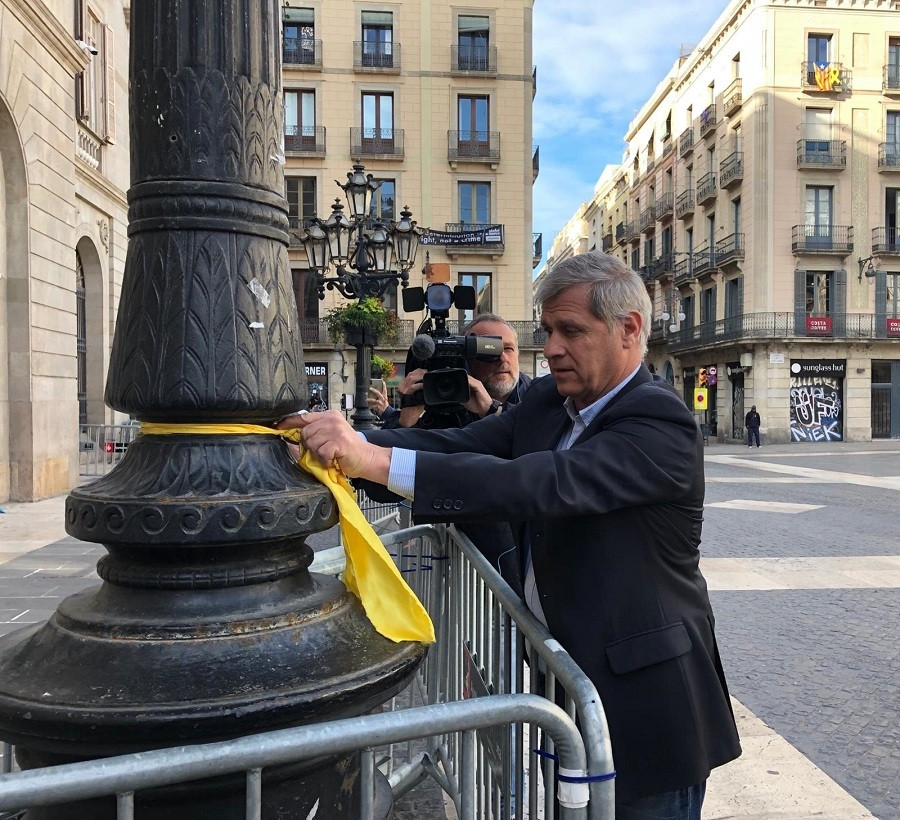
pixel 364 322
pixel 382 368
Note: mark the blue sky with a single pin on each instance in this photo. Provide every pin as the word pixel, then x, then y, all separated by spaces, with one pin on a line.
pixel 597 63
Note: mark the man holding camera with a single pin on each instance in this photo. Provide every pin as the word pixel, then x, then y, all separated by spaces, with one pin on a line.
pixel 493 386
pixel 606 463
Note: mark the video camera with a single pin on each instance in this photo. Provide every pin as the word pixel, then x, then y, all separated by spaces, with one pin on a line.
pixel 445 358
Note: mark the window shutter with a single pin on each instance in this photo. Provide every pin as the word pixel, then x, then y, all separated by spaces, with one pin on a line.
pixel 110 73
pixel 800 302
pixel 81 109
pixel 839 307
pixel 881 303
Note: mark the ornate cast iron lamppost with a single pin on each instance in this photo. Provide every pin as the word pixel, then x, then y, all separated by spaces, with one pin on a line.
pixel 361 248
pixel 208 624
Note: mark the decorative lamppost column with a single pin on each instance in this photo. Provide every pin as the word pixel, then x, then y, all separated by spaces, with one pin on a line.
pixel 208 624
pixel 361 248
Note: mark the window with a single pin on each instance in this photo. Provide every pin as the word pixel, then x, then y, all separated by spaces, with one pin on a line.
pixel 734 297
pixel 892 296
pixel 306 292
pixel 383 201
pixel 711 159
pixel 667 183
pixel 378 122
pixel 299 121
pixel 666 241
pixel 891 218
pixel 300 192
pixel 95 86
pixel 708 305
pixel 299 36
pixel 689 311
pixel 378 39
pixel 689 240
pixel 473 120
pixel 817 134
pixel 819 287
pixel 483 302
pixel 81 338
pixel 736 66
pixel 474 44
pixel 475 203
pixel 711 231
pixel 818 55
pixel 636 258
pixel 892 78
pixel 818 214
pixel 736 218
pixel 892 138
pixel 649 250
pixel 738 138
pixel 689 177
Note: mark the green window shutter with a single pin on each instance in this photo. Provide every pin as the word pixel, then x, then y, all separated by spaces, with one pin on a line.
pixel 800 302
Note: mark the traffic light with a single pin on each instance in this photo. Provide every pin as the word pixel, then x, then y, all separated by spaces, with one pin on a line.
pixel 702 377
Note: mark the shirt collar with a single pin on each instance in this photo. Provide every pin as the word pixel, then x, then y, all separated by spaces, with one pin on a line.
pixel 592 410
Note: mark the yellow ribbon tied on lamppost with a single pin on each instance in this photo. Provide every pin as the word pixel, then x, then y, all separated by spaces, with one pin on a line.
pixel 370 573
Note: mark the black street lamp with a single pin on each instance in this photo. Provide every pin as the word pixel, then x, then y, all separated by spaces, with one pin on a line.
pixel 368 257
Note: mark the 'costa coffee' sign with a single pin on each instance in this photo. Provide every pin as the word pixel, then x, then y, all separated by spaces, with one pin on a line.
pixel 893 327
pixel 818 325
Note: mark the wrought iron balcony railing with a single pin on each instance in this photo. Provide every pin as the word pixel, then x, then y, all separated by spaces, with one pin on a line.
pixel 477 59
pixel 376 56
pixel 731 169
pixel 706 188
pixel 835 239
pixel 475 146
pixel 704 259
pixel 476 236
pixel 885 241
pixel 376 142
pixel 730 249
pixel 825 77
pixel 668 145
pixel 683 270
pixel 708 120
pixel 889 156
pixel 822 154
pixel 684 204
pixel 304 139
pixel 665 205
pixel 606 242
pixel 647 219
pixel 632 231
pixel 664 264
pixel 891 82
pixel 620 233
pixel 733 97
pixel 686 141
pixel 301 51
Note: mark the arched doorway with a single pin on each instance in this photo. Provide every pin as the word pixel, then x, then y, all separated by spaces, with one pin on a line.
pixel 92 332
pixel 81 338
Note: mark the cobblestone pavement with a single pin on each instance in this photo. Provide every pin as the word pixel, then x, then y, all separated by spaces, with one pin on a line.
pixel 806 600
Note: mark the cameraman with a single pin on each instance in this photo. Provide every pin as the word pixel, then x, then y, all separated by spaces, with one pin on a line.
pixel 492 385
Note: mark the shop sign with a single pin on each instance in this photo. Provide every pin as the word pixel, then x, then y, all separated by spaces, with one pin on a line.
pixel 818 325
pixel 893 327
pixel 835 368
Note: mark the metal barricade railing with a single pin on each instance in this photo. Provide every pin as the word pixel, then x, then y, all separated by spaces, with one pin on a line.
pixel 491 661
pixel 101 446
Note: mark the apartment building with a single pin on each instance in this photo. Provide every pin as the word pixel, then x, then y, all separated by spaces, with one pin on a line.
pixel 63 176
pixel 434 100
pixel 758 197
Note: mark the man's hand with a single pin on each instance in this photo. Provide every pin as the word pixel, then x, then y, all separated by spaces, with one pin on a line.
pixel 479 401
pixel 331 440
pixel 413 382
pixel 377 401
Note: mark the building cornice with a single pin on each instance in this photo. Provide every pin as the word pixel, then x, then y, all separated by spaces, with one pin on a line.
pixel 99 182
pixel 37 17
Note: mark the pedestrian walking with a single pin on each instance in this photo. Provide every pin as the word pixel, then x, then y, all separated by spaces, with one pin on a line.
pixel 752 422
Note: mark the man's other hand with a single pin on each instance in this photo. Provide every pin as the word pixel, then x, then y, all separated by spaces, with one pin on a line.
pixel 479 401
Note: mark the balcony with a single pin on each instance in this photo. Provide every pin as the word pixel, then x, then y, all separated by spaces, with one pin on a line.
pixel 301 51
pixel 537 249
pixel 891 82
pixel 827 78
pixel 304 140
pixel 471 237
pixel 296 228
pixel 473 146
pixel 381 143
pixel 477 59
pixel 686 142
pixel 708 121
pixel 889 156
pixel 822 154
pixel 704 260
pixel 373 56
pixel 607 242
pixel 620 233
pixel 683 271
pixel 668 145
pixel 632 231
pixel 88 148
pixel 684 204
pixel 730 249
pixel 733 97
pixel 886 242
pixel 751 327
pixel 706 188
pixel 665 206
pixel 651 164
pixel 647 219
pixel 822 239
pixel 731 169
pixel 535 162
pixel 664 264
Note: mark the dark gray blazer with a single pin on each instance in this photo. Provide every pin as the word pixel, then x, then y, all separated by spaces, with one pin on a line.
pixel 613 525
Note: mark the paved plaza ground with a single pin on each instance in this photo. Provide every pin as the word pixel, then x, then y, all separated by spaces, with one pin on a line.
pixel 802 555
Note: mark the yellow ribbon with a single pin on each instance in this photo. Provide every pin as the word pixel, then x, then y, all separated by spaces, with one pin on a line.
pixel 370 574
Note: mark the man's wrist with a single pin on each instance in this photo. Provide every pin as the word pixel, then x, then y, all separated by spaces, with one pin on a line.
pixel 495 406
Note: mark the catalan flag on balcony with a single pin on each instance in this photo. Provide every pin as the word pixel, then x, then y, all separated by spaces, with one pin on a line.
pixel 827 76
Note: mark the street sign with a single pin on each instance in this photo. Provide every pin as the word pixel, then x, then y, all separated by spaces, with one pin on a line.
pixel 701 398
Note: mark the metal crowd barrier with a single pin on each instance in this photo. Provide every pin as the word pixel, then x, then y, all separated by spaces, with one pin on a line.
pixel 101 446
pixel 494 670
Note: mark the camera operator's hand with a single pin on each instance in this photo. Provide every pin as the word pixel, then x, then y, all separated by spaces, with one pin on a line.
pixel 413 383
pixel 479 401
pixel 331 439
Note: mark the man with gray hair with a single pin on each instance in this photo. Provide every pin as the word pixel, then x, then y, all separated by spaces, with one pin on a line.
pixel 604 462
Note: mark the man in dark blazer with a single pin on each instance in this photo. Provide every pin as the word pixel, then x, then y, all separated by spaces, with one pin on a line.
pixel 606 462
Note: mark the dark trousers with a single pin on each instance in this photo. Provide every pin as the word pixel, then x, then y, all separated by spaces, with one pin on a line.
pixel 752 434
